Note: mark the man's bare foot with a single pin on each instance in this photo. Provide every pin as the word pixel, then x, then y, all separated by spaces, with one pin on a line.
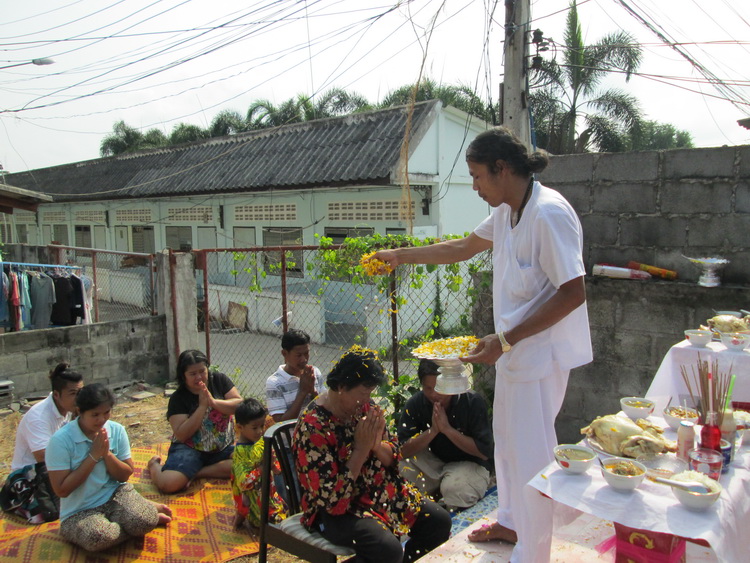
pixel 165 514
pixel 493 532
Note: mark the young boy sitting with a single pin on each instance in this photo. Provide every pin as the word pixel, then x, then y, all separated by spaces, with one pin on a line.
pixel 250 418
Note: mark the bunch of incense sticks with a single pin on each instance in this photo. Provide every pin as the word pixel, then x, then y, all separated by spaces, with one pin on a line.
pixel 704 394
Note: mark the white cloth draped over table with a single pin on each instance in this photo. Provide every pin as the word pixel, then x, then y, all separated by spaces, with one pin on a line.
pixel 654 507
pixel 668 381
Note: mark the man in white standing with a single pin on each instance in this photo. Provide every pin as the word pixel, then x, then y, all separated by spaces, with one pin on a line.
pixel 541 322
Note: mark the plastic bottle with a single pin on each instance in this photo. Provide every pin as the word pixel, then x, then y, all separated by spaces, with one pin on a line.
pixel 685 439
pixel 729 429
pixel 653 270
pixel 616 272
pixel 711 433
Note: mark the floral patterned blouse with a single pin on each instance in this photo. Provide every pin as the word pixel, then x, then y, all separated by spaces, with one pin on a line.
pixel 216 431
pixel 322 445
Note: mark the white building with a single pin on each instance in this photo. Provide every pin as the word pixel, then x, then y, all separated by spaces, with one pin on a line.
pixel 331 177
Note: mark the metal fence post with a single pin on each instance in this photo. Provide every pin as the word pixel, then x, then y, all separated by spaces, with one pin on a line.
pixel 173 300
pixel 394 325
pixel 94 290
pixel 284 320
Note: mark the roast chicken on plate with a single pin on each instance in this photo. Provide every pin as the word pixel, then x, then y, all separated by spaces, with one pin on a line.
pixel 620 436
pixel 727 323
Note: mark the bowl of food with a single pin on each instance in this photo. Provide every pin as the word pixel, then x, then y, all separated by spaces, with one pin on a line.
pixel 697 501
pixel 637 407
pixel 574 459
pixel 735 341
pixel 674 415
pixel 698 338
pixel 623 474
pixel 662 465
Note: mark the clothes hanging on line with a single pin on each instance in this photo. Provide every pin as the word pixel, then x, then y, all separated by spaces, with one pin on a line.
pixel 37 296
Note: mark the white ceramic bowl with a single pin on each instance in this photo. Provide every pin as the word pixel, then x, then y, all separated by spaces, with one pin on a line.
pixel 735 341
pixel 662 465
pixel 566 456
pixel 698 338
pixel 637 407
pixel 622 483
pixel 697 501
pixel 674 421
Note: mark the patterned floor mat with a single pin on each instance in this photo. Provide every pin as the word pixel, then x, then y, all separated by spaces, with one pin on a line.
pixel 201 530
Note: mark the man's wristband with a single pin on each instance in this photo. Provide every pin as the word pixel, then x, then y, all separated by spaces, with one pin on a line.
pixel 95 460
pixel 503 342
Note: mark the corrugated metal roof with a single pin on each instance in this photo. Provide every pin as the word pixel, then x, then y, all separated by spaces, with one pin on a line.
pixel 356 149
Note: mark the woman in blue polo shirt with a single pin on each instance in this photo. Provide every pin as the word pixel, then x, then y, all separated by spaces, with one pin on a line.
pixel 89 463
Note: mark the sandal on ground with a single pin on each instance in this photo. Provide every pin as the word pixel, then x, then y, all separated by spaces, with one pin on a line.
pixel 493 532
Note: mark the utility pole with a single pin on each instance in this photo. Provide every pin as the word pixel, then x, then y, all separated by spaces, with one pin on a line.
pixel 515 114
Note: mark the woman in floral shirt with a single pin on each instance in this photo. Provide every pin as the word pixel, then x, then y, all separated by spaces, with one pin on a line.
pixel 348 469
pixel 200 414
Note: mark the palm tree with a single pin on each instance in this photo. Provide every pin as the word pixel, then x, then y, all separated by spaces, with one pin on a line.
pixel 123 139
pixel 462 97
pixel 337 102
pixel 227 122
pixel 187 133
pixel 568 95
pixel 263 113
pixel 333 103
pixel 154 138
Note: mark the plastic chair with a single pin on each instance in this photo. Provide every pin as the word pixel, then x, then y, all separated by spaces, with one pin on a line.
pixel 289 535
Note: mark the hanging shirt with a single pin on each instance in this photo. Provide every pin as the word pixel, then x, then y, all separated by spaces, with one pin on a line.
pixel 4 287
pixel 14 302
pixel 63 299
pixel 76 310
pixel 42 293
pixel 24 300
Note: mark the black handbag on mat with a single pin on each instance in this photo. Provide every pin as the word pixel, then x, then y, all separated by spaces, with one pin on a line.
pixel 28 493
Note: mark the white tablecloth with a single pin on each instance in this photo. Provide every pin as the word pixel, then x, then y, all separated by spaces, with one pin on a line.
pixel 725 526
pixel 668 381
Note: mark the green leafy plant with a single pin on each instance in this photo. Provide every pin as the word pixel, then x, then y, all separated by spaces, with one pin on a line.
pixel 392 395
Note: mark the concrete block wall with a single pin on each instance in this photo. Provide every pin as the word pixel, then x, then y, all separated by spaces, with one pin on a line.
pixel 109 353
pixel 651 207
pixel 633 325
pixel 656 206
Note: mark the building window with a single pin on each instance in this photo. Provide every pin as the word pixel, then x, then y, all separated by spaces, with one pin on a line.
pixel 179 238
pixel 60 234
pixel 143 240
pixel 6 231
pixel 83 236
pixel 338 234
pixel 283 236
pixel 23 234
pixel 395 231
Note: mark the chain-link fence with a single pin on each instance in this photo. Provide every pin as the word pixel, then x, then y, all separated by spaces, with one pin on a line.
pixel 122 282
pixel 117 285
pixel 248 297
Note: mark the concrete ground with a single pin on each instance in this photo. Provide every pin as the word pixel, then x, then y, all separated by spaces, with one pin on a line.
pixel 257 356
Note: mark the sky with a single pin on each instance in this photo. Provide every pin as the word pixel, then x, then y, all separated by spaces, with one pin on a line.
pixel 156 63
